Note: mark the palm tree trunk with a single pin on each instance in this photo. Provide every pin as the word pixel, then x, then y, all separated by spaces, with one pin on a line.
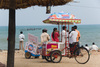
pixel 11 35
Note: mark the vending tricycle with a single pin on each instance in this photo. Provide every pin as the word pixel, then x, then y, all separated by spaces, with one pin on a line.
pixel 54 51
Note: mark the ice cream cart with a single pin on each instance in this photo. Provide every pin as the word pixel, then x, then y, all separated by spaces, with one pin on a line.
pixel 32 47
pixel 54 51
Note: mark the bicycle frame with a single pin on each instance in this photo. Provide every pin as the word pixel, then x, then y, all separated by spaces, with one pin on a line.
pixel 68 51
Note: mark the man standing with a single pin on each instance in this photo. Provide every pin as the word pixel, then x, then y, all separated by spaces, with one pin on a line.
pixel 72 39
pixel 44 36
pixel 64 34
pixel 73 36
pixel 21 42
pixel 78 35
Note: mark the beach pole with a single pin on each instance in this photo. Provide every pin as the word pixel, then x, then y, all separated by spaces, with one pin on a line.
pixel 11 35
pixel 59 31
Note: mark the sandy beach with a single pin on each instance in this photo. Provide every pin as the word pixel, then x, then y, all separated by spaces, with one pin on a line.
pixel 20 61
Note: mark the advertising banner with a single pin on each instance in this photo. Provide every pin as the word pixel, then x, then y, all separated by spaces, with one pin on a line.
pixel 30 47
pixel 32 38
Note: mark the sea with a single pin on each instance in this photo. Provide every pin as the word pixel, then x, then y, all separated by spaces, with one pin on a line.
pixel 89 34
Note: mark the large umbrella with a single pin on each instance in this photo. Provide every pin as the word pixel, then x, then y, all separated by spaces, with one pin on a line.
pixel 62 18
pixel 19 4
pixel 4 4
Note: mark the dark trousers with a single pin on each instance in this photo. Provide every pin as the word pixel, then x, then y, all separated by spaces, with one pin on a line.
pixel 78 47
pixel 43 57
pixel 73 48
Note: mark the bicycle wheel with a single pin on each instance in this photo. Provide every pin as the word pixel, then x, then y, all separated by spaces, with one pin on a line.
pixel 47 58
pixel 56 56
pixel 82 55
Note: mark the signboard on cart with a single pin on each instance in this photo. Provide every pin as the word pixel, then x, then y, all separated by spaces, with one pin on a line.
pixel 52 45
pixel 30 47
pixel 32 38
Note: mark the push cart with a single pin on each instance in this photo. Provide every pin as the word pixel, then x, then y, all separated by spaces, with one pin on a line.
pixel 54 51
pixel 32 47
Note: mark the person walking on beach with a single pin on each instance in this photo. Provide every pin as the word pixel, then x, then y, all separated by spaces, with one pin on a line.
pixel 55 35
pixel 44 36
pixel 21 42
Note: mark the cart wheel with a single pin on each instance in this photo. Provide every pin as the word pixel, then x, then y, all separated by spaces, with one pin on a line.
pixel 56 56
pixel 47 58
pixel 82 55
pixel 27 55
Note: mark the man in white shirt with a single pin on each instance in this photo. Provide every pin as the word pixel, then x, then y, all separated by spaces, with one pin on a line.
pixel 64 34
pixel 94 47
pixel 73 36
pixel 86 46
pixel 21 40
pixel 72 39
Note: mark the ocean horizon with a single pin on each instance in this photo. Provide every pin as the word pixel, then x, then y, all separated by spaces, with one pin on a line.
pixel 89 34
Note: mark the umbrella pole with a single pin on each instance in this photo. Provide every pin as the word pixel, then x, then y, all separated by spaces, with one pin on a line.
pixel 68 41
pixel 68 35
pixel 11 35
pixel 59 31
pixel 58 28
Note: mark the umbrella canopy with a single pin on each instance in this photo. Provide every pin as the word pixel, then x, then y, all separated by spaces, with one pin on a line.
pixel 4 4
pixel 62 18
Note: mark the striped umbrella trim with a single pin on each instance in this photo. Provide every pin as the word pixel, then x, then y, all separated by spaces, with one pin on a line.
pixel 67 20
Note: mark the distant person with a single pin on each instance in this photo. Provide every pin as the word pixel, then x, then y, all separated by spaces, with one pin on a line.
pixel 72 39
pixel 21 40
pixel 64 34
pixel 94 47
pixel 86 46
pixel 55 35
pixel 44 36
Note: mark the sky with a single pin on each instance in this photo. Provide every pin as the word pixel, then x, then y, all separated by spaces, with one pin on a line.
pixel 86 10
